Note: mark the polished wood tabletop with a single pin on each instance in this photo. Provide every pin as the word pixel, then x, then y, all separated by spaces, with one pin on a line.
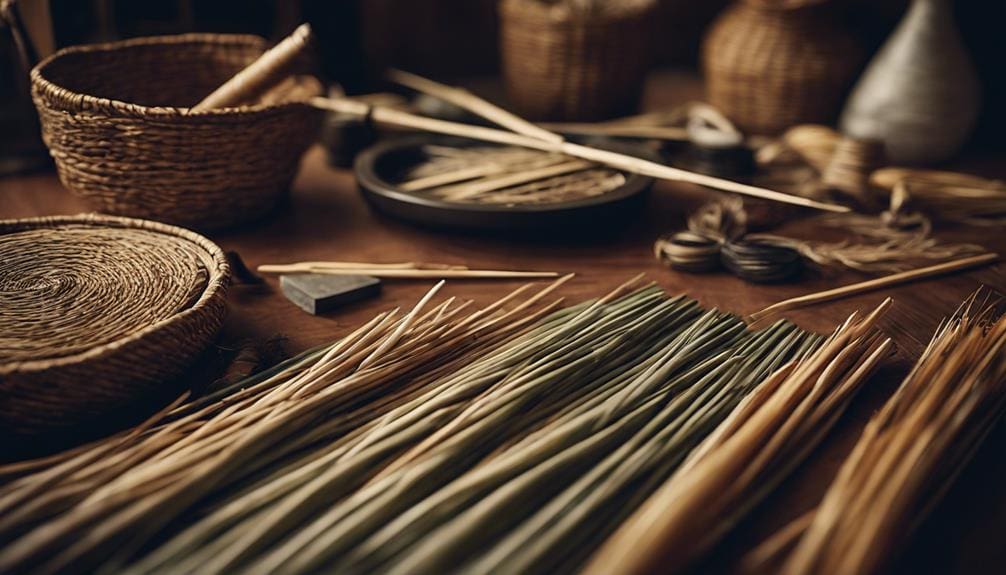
pixel 325 218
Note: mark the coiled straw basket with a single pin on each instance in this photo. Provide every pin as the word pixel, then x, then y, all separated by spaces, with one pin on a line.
pixel 96 311
pixel 563 64
pixel 115 118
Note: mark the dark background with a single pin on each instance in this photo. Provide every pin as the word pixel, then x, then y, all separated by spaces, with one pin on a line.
pixel 453 39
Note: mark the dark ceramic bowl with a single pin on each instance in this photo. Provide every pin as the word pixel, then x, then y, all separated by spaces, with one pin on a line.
pixel 380 167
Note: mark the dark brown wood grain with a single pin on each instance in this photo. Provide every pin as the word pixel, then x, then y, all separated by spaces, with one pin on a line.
pixel 326 219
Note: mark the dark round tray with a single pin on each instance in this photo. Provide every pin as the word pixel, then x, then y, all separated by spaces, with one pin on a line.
pixel 378 167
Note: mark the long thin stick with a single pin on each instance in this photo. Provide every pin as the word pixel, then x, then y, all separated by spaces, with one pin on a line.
pixel 398 118
pixel 390 266
pixel 465 99
pixel 670 133
pixel 877 283
pixel 405 273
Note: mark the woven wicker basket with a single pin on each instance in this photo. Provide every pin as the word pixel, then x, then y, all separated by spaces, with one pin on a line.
pixel 96 311
pixel 772 64
pixel 562 65
pixel 115 119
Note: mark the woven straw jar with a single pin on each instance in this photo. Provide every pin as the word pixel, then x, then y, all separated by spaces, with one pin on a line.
pixel 566 65
pixel 773 64
pixel 115 118
pixel 98 311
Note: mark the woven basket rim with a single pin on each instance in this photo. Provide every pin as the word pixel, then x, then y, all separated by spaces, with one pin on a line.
pixel 783 5
pixel 536 11
pixel 71 99
pixel 216 282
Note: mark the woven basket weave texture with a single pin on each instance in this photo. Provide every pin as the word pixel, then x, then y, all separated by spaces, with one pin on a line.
pixel 773 65
pixel 564 66
pixel 115 119
pixel 97 310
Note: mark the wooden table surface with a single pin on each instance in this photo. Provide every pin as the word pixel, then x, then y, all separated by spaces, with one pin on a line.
pixel 326 219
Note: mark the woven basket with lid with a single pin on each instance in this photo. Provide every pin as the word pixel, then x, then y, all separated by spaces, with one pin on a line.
pixel 115 118
pixel 561 64
pixel 773 64
pixel 96 310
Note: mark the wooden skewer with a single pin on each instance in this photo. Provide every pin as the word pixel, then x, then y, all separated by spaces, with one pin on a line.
pixel 398 118
pixel 406 273
pixel 877 283
pixel 669 133
pixel 368 265
pixel 465 99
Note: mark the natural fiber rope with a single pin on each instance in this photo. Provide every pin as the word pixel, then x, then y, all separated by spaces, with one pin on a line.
pixel 889 243
pixel 849 169
pixel 811 160
pixel 95 309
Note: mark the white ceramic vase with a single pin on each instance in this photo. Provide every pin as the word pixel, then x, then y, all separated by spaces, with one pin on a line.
pixel 920 95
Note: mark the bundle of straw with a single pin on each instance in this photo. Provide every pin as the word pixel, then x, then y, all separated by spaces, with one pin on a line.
pixel 909 454
pixel 806 159
pixel 423 443
pixel 507 175
pixel 947 196
pixel 747 456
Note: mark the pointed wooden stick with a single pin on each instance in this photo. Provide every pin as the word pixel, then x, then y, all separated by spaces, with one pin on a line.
pixel 405 273
pixel 624 162
pixel 369 265
pixel 465 99
pixel 669 133
pixel 877 283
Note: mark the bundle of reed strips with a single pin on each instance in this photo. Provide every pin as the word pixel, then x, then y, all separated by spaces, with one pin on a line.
pixel 909 454
pixel 507 175
pixel 761 442
pixel 510 438
pixel 809 160
pixel 948 196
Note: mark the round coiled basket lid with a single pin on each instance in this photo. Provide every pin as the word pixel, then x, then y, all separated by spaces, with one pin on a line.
pixel 94 310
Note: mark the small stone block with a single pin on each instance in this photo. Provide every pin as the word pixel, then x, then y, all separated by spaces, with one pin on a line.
pixel 320 293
